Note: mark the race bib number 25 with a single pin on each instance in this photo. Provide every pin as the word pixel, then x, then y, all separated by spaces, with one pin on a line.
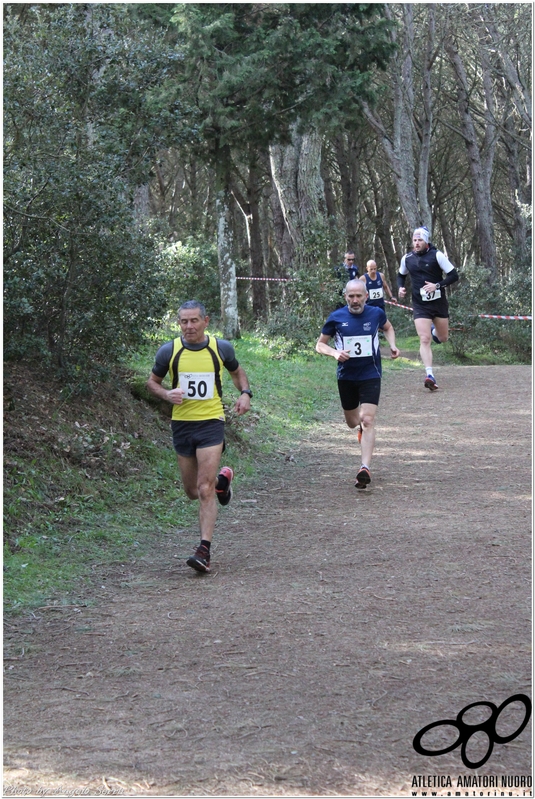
pixel 197 385
pixel 358 346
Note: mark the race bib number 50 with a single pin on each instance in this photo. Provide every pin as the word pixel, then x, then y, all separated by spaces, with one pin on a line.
pixel 197 385
pixel 430 295
pixel 358 346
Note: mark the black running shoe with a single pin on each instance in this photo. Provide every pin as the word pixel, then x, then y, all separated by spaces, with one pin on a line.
pixel 434 335
pixel 200 560
pixel 225 495
pixel 363 477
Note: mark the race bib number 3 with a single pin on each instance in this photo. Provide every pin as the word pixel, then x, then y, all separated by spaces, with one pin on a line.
pixel 197 385
pixel 430 295
pixel 358 346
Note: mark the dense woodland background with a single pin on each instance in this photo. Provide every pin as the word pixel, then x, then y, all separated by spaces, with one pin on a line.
pixel 156 152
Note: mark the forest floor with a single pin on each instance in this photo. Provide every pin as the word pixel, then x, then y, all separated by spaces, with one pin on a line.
pixel 335 623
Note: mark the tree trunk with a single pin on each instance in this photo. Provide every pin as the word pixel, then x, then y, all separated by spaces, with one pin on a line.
pixel 227 267
pixel 283 244
pixel 382 213
pixel 519 204
pixel 347 157
pixel 426 122
pixel 254 194
pixel 142 209
pixel 296 170
pixel 521 96
pixel 225 248
pixel 332 216
pixel 480 162
pixel 400 144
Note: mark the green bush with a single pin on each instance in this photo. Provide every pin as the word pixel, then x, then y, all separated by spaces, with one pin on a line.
pixel 82 278
pixel 286 334
pixel 472 335
pixel 191 273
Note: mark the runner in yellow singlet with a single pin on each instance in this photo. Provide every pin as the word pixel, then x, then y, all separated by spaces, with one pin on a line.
pixel 194 363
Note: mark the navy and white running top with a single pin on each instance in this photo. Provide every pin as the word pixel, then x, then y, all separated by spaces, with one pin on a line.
pixel 376 292
pixel 358 333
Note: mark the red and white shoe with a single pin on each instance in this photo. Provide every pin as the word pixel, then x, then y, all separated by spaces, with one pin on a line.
pixel 430 383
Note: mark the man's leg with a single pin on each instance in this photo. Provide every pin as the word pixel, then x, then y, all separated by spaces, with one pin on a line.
pixel 199 477
pixel 352 417
pixel 363 417
pixel 367 421
pixel 423 328
pixel 441 330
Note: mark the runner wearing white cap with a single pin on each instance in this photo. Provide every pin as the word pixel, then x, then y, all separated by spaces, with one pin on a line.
pixel 430 272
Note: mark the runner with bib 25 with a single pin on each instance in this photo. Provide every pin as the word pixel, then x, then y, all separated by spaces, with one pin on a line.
pixel 430 272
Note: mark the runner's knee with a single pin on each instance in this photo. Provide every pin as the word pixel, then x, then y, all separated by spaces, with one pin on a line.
pixel 352 418
pixel 205 489
pixel 367 419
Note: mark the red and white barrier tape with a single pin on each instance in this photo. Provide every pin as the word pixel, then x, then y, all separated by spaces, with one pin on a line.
pixel 398 305
pixel 276 279
pixel 493 316
pixel 388 302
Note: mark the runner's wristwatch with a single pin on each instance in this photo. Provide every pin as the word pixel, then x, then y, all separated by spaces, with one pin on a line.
pixel 247 391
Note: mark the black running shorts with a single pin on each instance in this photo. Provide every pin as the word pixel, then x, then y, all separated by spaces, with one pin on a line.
pixel 430 310
pixel 188 437
pixel 356 392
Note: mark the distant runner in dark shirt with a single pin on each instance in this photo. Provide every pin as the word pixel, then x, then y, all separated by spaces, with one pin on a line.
pixel 344 272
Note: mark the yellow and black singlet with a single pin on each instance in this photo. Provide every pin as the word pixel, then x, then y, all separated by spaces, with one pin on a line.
pixel 198 374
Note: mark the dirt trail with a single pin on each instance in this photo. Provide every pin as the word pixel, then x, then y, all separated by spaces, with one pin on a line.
pixel 335 623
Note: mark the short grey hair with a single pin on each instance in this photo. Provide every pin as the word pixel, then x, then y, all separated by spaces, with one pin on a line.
pixel 190 305
pixel 356 283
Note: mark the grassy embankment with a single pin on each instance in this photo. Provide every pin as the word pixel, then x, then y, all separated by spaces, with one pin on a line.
pixel 95 482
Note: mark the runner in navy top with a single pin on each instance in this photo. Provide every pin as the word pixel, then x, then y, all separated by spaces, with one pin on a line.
pixel 349 270
pixel 376 284
pixel 430 272
pixel 355 330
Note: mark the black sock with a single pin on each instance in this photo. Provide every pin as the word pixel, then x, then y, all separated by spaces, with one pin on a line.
pixel 206 544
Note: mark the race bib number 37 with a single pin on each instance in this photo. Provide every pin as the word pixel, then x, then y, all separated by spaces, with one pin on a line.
pixel 358 346
pixel 430 295
pixel 197 385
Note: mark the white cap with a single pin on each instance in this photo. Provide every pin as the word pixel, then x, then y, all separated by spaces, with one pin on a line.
pixel 422 233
